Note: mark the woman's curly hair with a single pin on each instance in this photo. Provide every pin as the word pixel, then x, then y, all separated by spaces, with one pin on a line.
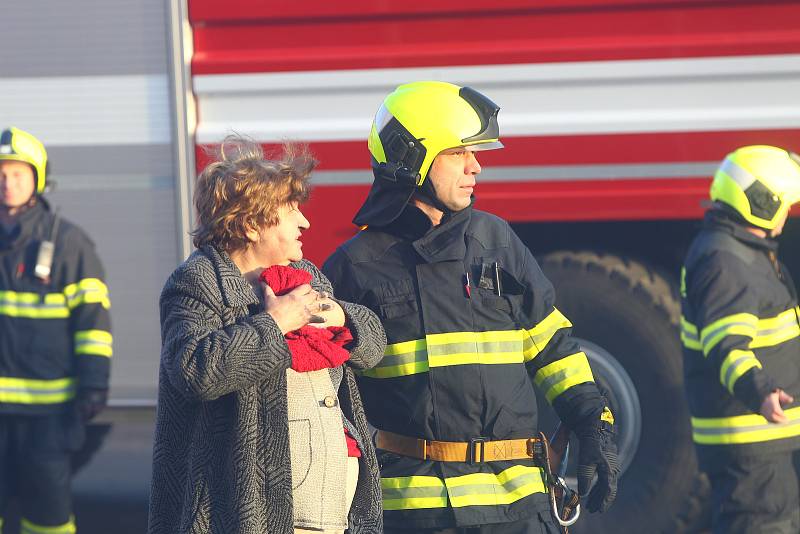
pixel 243 191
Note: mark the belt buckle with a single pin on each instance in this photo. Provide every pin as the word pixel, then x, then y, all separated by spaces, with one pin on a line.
pixel 471 446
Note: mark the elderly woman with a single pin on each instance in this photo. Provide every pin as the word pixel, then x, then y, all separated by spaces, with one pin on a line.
pixel 260 427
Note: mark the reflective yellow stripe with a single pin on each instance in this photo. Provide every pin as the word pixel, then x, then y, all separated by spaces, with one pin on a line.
pixel 743 429
pixel 452 348
pixel 29 391
pixel 557 377
pixel 485 348
pixel 87 291
pixel 489 489
pixel 739 324
pixel 478 489
pixel 689 336
pixel 537 338
pixel 28 527
pixel 96 342
pixel 767 332
pixel 735 364
pixel 404 493
pixel 401 359
pixel 776 330
pixel 33 306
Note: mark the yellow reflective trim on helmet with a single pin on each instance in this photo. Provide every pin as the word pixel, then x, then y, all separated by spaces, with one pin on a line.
pixel 33 306
pixel 738 324
pixel 750 428
pixel 28 527
pixel 556 378
pixel 540 335
pixel 405 493
pixel 31 391
pixel 87 291
pixel 736 364
pixel 94 342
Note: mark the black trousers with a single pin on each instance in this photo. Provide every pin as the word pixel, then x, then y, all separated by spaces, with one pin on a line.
pixel 35 465
pixel 757 495
pixel 541 524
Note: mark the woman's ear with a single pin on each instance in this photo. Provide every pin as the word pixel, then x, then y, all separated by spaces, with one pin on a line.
pixel 252 234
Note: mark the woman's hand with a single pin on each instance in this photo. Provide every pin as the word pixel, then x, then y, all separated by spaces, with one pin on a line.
pixel 293 310
pixel 329 310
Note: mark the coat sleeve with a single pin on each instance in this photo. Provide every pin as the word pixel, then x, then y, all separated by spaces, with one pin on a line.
pixel 554 360
pixel 369 338
pixel 89 320
pixel 204 359
pixel 726 322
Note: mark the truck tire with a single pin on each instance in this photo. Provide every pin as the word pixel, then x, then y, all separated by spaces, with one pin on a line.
pixel 626 318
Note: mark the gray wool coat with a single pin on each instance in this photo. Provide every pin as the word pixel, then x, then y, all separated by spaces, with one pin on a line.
pixel 221 451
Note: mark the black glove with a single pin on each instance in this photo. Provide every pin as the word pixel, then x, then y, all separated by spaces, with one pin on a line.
pixel 597 454
pixel 89 402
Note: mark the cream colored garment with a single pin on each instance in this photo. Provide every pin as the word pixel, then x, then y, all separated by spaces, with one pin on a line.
pixel 352 481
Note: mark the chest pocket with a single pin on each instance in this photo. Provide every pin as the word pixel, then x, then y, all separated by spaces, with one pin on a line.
pixel 396 305
pixel 489 308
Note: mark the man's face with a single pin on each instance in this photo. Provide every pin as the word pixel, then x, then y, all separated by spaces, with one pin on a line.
pixel 453 176
pixel 17 183
pixel 280 244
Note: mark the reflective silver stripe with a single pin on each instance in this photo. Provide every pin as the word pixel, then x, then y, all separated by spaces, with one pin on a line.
pixel 732 368
pixel 726 326
pixel 715 431
pixel 739 174
pixel 475 347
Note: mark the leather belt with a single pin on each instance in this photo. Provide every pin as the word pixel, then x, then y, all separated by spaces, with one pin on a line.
pixel 476 450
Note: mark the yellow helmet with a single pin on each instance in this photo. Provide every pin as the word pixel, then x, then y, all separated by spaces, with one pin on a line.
pixel 18 145
pixel 413 125
pixel 759 182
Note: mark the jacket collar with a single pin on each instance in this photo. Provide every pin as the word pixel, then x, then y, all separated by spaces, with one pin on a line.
pixel 236 291
pixel 719 220
pixel 446 241
pixel 25 225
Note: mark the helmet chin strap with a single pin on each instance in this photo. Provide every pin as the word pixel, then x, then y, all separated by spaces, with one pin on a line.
pixel 427 193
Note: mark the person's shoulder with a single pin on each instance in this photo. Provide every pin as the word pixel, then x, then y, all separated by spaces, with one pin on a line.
pixel 366 246
pixel 74 237
pixel 196 273
pixel 489 229
pixel 715 249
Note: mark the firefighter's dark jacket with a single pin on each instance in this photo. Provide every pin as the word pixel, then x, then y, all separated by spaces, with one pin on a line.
pixel 55 335
pixel 460 361
pixel 741 338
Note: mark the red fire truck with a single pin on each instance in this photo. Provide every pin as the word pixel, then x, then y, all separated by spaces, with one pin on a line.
pixel 614 115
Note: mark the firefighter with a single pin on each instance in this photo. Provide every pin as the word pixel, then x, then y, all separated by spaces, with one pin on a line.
pixel 471 324
pixel 740 333
pixel 55 341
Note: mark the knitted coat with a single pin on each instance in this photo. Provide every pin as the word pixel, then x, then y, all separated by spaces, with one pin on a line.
pixel 221 452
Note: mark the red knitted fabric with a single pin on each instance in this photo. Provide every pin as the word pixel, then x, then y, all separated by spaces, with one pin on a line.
pixel 352 445
pixel 312 348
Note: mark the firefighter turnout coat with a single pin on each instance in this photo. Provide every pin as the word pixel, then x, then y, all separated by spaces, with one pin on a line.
pixel 741 339
pixel 470 323
pixel 54 332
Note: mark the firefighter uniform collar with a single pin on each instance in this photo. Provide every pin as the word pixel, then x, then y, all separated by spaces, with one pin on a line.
pixel 25 225
pixel 719 220
pixel 446 241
